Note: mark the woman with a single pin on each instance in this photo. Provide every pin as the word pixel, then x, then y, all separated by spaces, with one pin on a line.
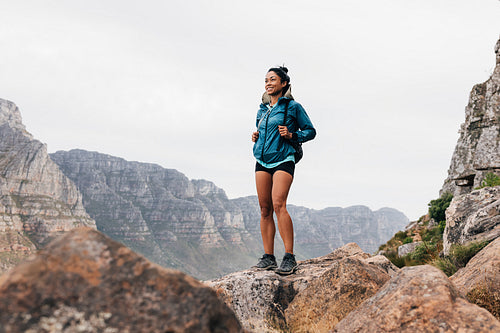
pixel 275 164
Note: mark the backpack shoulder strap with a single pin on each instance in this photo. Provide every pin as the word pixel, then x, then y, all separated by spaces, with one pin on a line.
pixel 287 102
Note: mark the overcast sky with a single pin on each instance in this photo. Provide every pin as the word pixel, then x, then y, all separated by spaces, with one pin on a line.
pixel 178 83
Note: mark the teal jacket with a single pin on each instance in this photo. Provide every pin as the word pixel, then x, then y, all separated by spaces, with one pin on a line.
pixel 270 147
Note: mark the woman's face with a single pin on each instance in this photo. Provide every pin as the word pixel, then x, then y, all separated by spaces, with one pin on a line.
pixel 273 84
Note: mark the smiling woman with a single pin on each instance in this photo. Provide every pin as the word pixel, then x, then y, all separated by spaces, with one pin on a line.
pixel 281 122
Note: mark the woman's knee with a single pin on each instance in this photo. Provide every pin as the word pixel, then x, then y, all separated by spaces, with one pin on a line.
pixel 279 206
pixel 266 211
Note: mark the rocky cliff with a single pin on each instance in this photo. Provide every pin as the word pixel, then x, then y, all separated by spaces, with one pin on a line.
pixel 176 222
pixel 478 148
pixel 37 201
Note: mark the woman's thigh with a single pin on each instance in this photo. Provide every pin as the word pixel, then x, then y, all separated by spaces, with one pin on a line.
pixel 264 184
pixel 281 183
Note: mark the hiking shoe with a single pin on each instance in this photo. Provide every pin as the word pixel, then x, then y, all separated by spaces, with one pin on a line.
pixel 268 261
pixel 288 265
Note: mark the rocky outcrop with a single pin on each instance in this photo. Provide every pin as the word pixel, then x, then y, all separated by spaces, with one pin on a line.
pixel 407 248
pixel 175 221
pixel 479 280
pixel 473 217
pixel 85 282
pixel 37 201
pixel 266 302
pixel 478 148
pixel 418 299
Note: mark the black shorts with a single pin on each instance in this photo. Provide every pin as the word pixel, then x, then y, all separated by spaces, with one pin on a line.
pixel 288 167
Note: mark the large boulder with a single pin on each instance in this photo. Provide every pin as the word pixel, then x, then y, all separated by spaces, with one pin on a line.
pixel 329 298
pixel 479 281
pixel 418 299
pixel 473 217
pixel 85 282
pixel 266 302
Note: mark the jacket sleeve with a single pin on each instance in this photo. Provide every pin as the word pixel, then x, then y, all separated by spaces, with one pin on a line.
pixel 306 130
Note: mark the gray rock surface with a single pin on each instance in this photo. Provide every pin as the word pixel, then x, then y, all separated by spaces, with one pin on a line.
pixel 37 201
pixel 407 248
pixel 478 148
pixel 472 217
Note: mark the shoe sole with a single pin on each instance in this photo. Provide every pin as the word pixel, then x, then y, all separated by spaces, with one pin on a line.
pixel 287 272
pixel 268 268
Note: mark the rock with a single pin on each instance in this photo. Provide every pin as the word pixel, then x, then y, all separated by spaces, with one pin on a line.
pixel 330 297
pixel 418 299
pixel 85 282
pixel 383 263
pixel 473 217
pixel 478 148
pixel 264 301
pixel 479 280
pixel 407 248
pixel 37 201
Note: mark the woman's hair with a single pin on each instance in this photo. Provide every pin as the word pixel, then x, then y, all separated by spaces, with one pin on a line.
pixel 282 72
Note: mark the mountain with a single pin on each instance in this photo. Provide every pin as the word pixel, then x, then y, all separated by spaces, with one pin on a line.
pixel 37 201
pixel 175 222
pixel 193 226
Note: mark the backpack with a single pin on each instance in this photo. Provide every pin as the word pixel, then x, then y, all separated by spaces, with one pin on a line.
pixel 299 153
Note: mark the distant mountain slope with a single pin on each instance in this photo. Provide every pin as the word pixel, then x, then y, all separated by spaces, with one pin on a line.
pixel 178 223
pixel 37 201
pixel 192 225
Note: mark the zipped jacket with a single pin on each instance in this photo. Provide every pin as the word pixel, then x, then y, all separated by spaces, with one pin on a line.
pixel 270 147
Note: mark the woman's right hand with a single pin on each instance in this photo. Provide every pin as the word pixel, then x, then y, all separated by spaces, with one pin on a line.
pixel 255 136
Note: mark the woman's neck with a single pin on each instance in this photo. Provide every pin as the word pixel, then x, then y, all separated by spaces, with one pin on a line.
pixel 274 99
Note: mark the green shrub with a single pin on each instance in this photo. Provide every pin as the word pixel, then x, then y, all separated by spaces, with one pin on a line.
pixel 442 225
pixel 461 254
pixel 400 235
pixel 446 265
pixel 433 235
pixel 438 207
pixel 408 240
pixel 425 252
pixel 490 180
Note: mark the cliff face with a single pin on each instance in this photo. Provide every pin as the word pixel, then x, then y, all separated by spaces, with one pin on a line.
pixel 175 222
pixel 478 148
pixel 37 201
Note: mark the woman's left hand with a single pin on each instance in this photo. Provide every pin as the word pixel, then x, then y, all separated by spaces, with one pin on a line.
pixel 284 132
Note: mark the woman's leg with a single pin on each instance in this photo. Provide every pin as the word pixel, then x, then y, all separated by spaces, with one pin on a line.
pixel 281 186
pixel 264 183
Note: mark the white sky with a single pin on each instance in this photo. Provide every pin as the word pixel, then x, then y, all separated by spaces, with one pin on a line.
pixel 178 83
